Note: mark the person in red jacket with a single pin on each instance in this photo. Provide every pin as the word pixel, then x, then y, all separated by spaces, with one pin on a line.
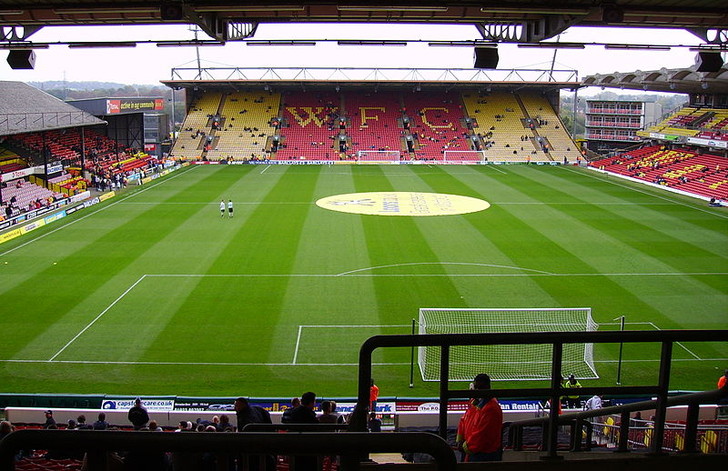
pixel 479 430
pixel 373 396
pixel 723 380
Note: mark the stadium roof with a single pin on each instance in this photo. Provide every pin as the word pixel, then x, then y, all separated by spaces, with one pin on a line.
pixel 664 80
pixel 239 77
pixel 232 19
pixel 19 111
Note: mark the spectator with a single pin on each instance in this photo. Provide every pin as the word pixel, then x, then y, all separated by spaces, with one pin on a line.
pixel 286 417
pixel 247 414
pixel 373 396
pixel 329 414
pixel 479 430
pixel 49 419
pixel 154 426
pixel 594 403
pixel 81 423
pixel 304 414
pixel 5 428
pixel 722 384
pixel 723 380
pixel 224 425
pixel 375 424
pixel 138 415
pixel 572 400
pixel 101 424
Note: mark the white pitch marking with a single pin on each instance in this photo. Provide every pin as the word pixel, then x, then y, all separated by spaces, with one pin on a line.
pixel 614 182
pixel 264 170
pixel 441 263
pixel 329 326
pixel 148 187
pixel 97 317
pixel 298 342
pixel 496 169
pixel 355 326
pixel 353 274
pixel 678 343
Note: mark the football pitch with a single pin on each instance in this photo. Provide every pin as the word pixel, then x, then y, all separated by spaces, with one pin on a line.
pixel 154 293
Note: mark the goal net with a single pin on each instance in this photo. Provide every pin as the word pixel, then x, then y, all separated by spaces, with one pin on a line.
pixel 464 156
pixel 506 362
pixel 378 155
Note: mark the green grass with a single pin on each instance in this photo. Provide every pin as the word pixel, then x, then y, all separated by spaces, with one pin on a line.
pixel 153 293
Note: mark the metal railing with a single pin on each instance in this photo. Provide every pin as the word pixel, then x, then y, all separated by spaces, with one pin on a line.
pixel 666 338
pixel 349 446
pixel 579 424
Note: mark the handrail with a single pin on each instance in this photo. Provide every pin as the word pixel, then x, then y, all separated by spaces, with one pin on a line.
pixel 557 339
pixel 350 446
pixel 578 419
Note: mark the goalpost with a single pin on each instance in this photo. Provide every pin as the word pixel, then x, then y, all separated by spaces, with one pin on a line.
pixel 378 155
pixel 464 156
pixel 506 362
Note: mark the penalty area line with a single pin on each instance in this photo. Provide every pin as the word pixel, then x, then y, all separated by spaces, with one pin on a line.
pixel 332 326
pixel 680 344
pixel 88 326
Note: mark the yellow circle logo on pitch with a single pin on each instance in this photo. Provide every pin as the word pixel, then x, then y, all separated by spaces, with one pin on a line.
pixel 403 203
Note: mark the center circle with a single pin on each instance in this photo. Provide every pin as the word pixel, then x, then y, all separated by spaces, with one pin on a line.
pixel 403 203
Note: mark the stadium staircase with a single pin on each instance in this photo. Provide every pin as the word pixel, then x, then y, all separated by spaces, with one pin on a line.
pixel 437 119
pixel 197 125
pixel 500 126
pixel 549 125
pixel 245 126
pixel 374 121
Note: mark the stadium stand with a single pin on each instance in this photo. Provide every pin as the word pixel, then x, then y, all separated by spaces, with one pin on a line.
pixel 437 123
pixel 21 195
pixel 500 124
pixel 374 121
pixel 548 125
pixel 691 121
pixel 65 146
pixel 320 125
pixel 190 143
pixel 704 175
pixel 10 161
pixel 307 131
pixel 245 126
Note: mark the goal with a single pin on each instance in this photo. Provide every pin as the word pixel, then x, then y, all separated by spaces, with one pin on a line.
pixel 378 155
pixel 506 362
pixel 464 156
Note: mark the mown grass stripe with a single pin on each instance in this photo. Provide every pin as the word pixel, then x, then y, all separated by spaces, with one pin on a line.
pixel 79 271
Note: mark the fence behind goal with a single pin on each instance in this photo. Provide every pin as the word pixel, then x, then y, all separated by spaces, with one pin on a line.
pixel 506 362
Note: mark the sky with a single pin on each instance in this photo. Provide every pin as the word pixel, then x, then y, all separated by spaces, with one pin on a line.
pixel 148 64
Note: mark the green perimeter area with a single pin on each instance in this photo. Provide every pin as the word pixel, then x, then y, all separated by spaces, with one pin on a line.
pixel 154 293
